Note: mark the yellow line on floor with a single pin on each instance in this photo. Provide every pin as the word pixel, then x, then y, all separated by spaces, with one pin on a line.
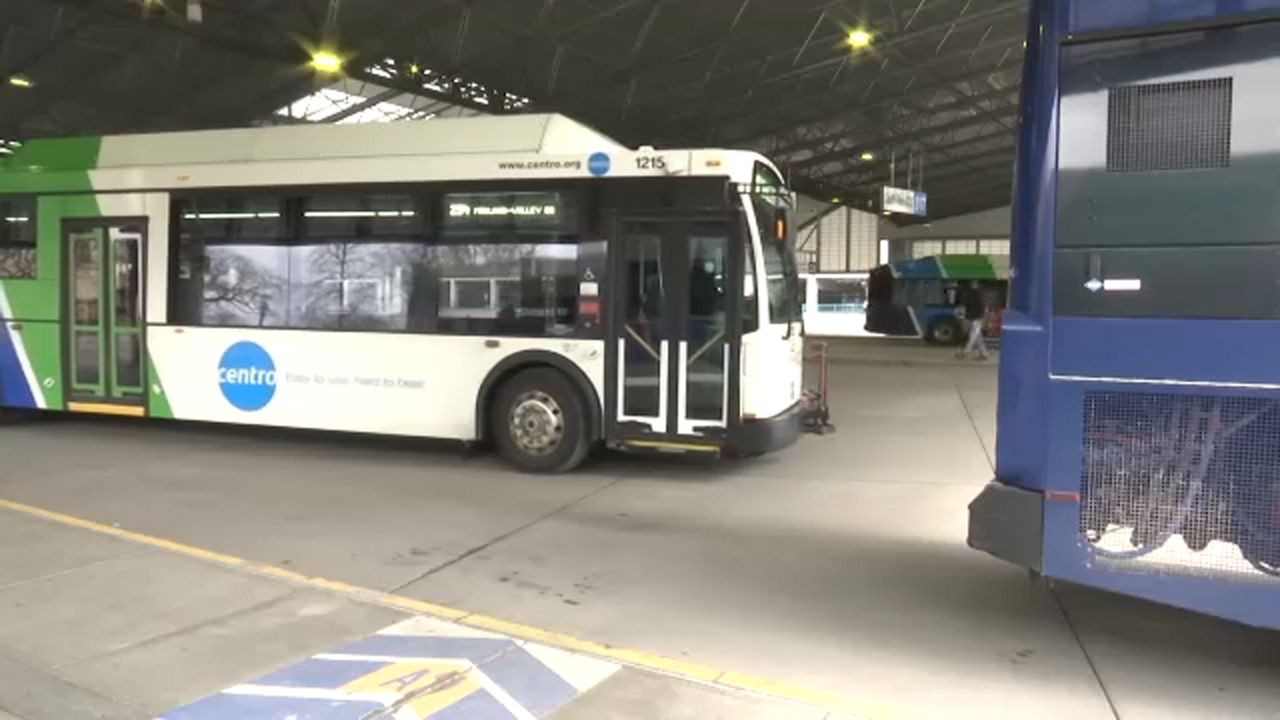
pixel 635 658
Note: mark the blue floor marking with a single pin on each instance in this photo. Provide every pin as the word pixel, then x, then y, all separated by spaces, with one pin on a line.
pixel 250 707
pixel 534 685
pixel 476 706
pixel 326 674
pixel 477 650
pixel 507 682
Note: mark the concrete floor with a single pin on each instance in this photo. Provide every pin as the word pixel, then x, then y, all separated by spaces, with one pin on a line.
pixel 838 565
pixel 98 627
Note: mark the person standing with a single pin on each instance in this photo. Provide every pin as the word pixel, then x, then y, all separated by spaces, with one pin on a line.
pixel 975 313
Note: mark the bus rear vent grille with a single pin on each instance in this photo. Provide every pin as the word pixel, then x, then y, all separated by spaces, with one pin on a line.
pixel 1182 484
pixel 1169 126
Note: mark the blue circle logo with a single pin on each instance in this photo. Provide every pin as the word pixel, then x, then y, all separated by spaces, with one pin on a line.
pixel 247 376
pixel 599 164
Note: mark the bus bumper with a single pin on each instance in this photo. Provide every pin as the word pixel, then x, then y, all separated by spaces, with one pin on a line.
pixel 1008 522
pixel 757 437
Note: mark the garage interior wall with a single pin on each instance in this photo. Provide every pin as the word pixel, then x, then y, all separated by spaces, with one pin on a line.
pixel 843 240
pixel 985 233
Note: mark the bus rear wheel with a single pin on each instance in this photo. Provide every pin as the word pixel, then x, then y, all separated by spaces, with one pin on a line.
pixel 944 331
pixel 538 422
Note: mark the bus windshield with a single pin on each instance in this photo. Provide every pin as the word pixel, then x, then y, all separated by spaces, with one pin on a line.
pixel 779 266
pixel 772 204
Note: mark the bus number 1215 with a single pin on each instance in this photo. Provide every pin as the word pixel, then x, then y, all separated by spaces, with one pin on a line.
pixel 652 162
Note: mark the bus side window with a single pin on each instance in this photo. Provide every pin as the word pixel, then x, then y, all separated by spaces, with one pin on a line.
pixel 18 237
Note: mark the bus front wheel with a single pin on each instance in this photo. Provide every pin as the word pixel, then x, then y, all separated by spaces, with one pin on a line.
pixel 538 422
pixel 944 331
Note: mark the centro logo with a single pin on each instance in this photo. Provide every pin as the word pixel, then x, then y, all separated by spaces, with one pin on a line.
pixel 247 376
pixel 599 164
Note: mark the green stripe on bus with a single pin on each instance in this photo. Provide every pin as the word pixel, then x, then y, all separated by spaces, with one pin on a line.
pixel 43 342
pixel 159 401
pixel 967 267
pixel 57 165
pixel 36 302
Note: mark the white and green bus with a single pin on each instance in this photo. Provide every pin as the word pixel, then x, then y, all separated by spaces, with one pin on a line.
pixel 519 280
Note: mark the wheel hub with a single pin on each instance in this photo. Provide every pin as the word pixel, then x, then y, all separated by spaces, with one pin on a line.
pixel 536 423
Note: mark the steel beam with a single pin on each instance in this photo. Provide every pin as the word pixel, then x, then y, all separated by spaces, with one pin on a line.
pixel 789 124
pixel 369 102
pixel 821 101
pixel 464 24
pixel 288 55
pixel 817 25
pixel 724 43
pixel 58 38
pixel 792 73
pixel 643 33
pixel 908 137
pixel 846 130
pixel 554 75
pixel 864 172
pixel 961 190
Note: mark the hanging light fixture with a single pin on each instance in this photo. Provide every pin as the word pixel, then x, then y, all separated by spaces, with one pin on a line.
pixel 326 61
pixel 860 38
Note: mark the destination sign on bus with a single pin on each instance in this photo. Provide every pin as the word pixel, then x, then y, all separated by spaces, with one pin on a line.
pixel 539 208
pixel 464 210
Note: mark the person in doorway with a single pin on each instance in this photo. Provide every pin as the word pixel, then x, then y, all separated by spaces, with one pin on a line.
pixel 974 302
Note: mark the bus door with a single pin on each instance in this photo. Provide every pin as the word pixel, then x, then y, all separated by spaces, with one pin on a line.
pixel 103 329
pixel 674 336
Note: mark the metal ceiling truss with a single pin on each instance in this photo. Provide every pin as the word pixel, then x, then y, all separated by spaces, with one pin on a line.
pixel 968 197
pixel 859 173
pixel 939 80
pixel 755 73
pixel 797 110
pixel 408 77
pixel 829 99
pixel 846 134
pixel 292 55
pixel 796 134
pixel 44 99
pixel 904 140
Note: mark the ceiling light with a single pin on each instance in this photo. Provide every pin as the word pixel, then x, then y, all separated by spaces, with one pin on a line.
pixel 20 81
pixel 887 213
pixel 326 62
pixel 835 201
pixel 859 38
pixel 867 156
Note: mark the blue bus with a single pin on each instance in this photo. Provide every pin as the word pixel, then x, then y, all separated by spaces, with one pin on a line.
pixel 1139 415
pixel 918 298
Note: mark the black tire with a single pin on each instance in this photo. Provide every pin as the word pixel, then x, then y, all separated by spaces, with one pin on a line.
pixel 945 331
pixel 556 438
